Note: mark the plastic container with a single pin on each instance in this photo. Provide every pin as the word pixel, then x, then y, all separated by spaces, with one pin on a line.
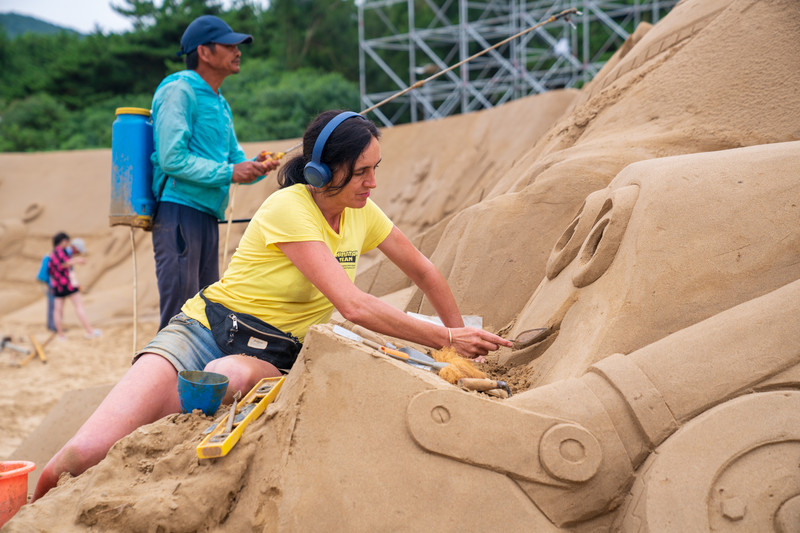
pixel 132 201
pixel 201 390
pixel 13 487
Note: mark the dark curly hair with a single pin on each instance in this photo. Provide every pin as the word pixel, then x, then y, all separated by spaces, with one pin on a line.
pixel 59 237
pixel 342 149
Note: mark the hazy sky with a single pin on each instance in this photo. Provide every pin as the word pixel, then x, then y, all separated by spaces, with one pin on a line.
pixel 81 15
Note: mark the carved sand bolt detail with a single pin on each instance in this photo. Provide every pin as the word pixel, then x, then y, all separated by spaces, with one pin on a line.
pixel 569 452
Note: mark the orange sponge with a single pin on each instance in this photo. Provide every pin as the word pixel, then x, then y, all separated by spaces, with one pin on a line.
pixel 458 366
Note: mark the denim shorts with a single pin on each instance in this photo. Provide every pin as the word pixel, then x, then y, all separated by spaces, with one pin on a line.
pixel 184 342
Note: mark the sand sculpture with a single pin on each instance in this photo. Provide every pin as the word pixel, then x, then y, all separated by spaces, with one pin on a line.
pixel 651 225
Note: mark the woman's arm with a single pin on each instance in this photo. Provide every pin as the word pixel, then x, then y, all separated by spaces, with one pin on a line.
pixel 470 342
pixel 424 274
pixel 315 261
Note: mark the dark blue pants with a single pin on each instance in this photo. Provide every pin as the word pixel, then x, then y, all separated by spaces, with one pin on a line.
pixel 51 302
pixel 186 249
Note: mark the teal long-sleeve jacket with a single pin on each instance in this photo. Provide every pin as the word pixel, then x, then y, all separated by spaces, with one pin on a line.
pixel 195 144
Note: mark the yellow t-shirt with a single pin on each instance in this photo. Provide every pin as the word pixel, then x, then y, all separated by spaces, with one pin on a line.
pixel 261 281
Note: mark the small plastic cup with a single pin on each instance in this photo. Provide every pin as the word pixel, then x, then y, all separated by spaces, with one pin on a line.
pixel 13 487
pixel 201 390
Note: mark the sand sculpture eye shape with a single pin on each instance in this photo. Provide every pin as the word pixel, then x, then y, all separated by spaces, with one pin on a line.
pixel 568 245
pixel 32 212
pixel 600 247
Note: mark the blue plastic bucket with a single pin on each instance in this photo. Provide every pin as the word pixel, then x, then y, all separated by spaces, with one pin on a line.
pixel 201 390
pixel 132 201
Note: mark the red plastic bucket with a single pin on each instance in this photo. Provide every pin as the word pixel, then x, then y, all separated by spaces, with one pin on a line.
pixel 13 487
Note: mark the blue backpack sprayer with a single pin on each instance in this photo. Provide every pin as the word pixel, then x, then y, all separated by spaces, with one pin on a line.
pixel 132 200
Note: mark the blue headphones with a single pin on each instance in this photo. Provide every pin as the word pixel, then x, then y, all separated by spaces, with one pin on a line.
pixel 316 172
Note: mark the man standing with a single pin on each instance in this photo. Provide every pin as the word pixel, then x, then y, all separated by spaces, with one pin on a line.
pixel 196 158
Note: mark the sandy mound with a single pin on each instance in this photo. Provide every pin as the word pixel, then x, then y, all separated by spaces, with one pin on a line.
pixel 649 221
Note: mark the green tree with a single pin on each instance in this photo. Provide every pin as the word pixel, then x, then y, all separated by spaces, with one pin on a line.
pixel 320 34
pixel 28 63
pixel 270 103
pixel 32 124
pixel 171 13
pixel 247 16
pixel 91 127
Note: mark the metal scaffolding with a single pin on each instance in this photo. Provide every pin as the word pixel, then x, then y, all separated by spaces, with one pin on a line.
pixel 404 41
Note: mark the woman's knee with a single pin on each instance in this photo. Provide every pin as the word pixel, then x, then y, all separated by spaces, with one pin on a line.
pixel 239 375
pixel 220 366
pixel 243 372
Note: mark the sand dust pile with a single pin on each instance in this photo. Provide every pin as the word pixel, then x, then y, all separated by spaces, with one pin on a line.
pixel 649 221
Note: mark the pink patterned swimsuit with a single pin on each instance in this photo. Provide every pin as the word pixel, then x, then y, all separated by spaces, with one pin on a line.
pixel 59 273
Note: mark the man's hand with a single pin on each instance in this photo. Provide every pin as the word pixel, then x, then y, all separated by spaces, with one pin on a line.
pixel 269 160
pixel 247 171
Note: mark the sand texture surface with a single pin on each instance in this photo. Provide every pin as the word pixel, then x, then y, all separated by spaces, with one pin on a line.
pixel 649 223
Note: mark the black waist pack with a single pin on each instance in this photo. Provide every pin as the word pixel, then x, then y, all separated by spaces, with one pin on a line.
pixel 239 333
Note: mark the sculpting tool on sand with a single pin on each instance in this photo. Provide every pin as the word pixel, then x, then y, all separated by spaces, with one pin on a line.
pixel 411 358
pixel 5 342
pixel 405 356
pixel 446 362
pixel 529 337
pixel 232 413
pixel 483 385
pixel 38 348
pixel 228 430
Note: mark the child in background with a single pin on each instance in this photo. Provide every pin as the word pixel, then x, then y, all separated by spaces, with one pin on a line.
pixel 64 284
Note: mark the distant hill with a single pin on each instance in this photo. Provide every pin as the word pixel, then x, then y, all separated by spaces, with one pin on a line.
pixel 15 25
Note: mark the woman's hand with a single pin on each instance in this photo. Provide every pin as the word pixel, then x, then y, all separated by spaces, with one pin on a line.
pixel 474 343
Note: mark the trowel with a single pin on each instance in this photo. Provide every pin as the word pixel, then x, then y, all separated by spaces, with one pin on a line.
pixel 529 337
pixel 409 355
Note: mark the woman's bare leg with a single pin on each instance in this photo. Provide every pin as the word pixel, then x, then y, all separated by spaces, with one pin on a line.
pixel 147 392
pixel 77 303
pixel 243 373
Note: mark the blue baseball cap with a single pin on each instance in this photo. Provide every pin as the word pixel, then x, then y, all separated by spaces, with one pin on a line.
pixel 210 29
